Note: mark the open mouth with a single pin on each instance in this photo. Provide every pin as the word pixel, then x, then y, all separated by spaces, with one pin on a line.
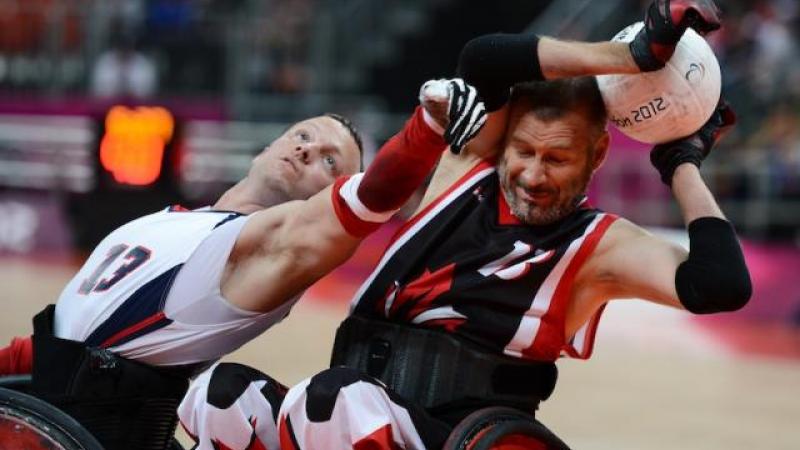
pixel 533 196
pixel 292 165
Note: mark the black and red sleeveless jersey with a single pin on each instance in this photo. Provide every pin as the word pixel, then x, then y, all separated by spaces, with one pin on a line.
pixel 465 264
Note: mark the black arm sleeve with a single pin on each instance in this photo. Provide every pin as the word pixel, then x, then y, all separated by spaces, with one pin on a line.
pixel 493 63
pixel 715 277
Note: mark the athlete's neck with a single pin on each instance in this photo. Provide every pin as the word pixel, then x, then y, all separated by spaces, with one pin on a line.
pixel 245 199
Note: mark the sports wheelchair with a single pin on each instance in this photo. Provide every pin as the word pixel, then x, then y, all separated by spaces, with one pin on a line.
pixel 502 428
pixel 29 423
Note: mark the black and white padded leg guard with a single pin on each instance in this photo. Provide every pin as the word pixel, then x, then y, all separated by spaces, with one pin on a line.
pixel 232 406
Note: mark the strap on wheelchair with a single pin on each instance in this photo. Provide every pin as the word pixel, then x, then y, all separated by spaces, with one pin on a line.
pixel 436 369
pixel 123 403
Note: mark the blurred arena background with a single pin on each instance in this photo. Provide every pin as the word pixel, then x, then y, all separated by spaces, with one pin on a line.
pixel 110 109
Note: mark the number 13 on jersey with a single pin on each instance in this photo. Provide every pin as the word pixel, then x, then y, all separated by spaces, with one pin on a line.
pixel 133 259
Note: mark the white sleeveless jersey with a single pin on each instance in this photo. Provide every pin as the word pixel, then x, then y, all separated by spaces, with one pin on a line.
pixel 150 291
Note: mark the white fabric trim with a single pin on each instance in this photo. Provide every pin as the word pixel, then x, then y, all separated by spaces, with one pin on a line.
pixel 444 312
pixel 529 325
pixel 349 192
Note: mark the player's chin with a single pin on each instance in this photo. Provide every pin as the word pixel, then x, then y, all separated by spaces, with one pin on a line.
pixel 538 215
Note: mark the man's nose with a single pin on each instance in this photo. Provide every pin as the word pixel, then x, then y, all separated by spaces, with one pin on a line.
pixel 306 152
pixel 534 173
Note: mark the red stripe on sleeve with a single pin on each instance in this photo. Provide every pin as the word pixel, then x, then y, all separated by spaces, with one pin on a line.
pixel 349 220
pixel 401 165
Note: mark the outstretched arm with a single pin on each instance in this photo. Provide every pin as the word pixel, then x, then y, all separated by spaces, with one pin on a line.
pixel 295 244
pixel 494 63
pixel 713 276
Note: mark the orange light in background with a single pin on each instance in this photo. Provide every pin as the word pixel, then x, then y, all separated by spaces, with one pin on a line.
pixel 133 145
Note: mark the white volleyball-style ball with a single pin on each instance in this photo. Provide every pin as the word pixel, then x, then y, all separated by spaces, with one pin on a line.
pixel 667 104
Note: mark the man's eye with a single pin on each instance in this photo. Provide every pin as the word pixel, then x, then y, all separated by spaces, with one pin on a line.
pixel 330 160
pixel 304 136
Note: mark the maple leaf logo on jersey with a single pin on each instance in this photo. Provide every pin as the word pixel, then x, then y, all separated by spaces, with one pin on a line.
pixel 414 302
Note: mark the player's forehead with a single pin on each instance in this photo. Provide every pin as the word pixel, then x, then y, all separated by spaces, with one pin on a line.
pixel 318 123
pixel 565 130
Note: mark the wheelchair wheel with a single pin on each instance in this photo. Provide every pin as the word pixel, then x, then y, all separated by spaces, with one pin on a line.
pixel 22 384
pixel 19 383
pixel 501 428
pixel 27 423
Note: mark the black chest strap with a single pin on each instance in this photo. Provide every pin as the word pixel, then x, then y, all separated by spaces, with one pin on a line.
pixel 123 403
pixel 435 369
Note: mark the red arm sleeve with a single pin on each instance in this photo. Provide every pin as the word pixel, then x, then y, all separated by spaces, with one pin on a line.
pixel 363 202
pixel 401 165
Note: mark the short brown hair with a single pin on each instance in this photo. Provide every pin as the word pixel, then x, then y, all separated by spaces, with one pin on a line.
pixel 550 100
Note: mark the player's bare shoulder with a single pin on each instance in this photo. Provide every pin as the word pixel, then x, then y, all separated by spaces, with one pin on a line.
pixel 631 262
pixel 618 243
pixel 619 249
pixel 259 232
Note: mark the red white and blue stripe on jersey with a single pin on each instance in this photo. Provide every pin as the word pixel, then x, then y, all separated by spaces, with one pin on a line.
pixel 143 311
pixel 150 290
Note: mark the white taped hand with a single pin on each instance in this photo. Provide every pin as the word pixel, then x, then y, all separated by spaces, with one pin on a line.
pixel 452 108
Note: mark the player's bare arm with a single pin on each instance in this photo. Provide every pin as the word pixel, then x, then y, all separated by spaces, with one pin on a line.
pixel 284 250
pixel 632 263
pixel 494 63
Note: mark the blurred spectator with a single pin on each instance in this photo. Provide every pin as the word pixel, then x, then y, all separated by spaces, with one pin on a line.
pixel 281 38
pixel 188 37
pixel 122 71
pixel 774 47
pixel 781 144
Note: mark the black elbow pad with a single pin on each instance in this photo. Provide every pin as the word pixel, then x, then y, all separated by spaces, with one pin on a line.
pixel 493 63
pixel 715 277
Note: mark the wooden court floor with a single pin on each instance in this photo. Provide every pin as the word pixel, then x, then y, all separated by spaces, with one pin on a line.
pixel 654 382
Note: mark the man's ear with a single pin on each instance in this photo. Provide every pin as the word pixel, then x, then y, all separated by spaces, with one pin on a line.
pixel 601 150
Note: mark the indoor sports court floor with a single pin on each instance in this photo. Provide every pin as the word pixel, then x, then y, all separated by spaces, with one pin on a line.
pixel 659 379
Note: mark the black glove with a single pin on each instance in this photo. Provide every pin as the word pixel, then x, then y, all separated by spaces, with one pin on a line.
pixel 664 24
pixel 693 148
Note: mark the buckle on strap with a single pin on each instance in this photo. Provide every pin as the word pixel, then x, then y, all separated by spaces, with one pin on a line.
pixel 125 404
pixel 435 368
